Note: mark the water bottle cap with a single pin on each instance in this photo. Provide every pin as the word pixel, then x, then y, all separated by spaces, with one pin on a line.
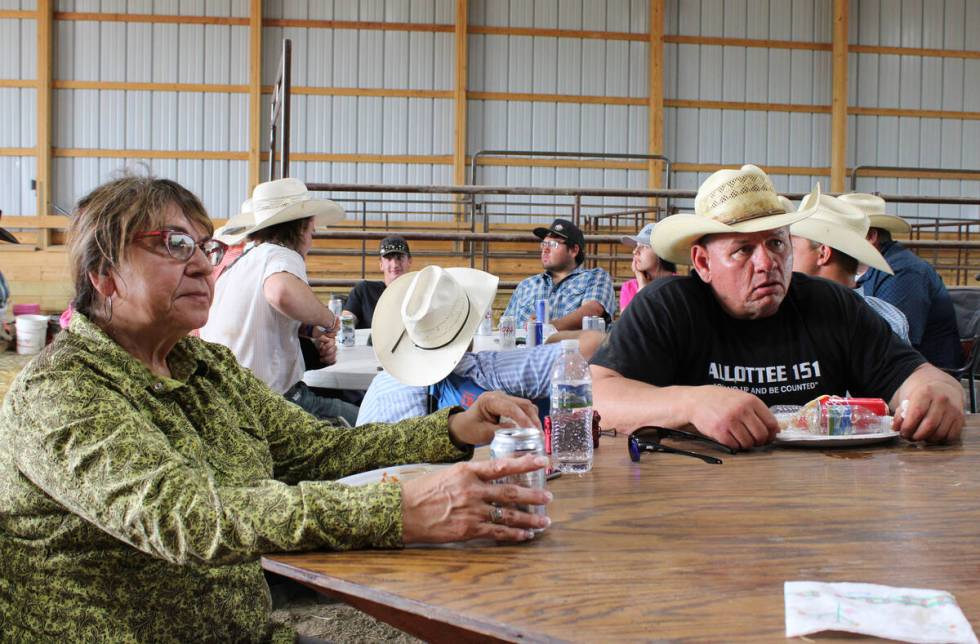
pixel 569 345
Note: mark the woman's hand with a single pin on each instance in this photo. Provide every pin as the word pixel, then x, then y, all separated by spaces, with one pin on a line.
pixel 457 504
pixel 476 425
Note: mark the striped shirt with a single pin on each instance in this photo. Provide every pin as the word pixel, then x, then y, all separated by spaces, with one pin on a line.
pixel 582 285
pixel 522 372
pixel 891 314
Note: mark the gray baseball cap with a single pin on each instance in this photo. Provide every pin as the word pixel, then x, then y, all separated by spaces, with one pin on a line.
pixel 642 237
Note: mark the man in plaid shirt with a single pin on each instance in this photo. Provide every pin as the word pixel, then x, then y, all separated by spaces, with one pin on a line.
pixel 572 291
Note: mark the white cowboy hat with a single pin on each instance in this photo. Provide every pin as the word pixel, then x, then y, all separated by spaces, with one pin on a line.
pixel 424 321
pixel 729 201
pixel 841 226
pixel 874 207
pixel 276 202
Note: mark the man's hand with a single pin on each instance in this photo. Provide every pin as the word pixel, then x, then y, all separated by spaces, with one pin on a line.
pixel 731 417
pixel 934 412
pixel 476 425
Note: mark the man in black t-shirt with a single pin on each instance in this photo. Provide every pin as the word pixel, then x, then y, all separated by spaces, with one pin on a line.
pixel 396 260
pixel 717 348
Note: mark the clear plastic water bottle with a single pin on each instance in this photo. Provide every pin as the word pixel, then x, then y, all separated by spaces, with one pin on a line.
pixel 571 411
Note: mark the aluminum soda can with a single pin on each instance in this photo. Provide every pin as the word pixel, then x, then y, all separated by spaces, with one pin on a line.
pixel 542 311
pixel 347 336
pixel 508 332
pixel 536 330
pixel 518 441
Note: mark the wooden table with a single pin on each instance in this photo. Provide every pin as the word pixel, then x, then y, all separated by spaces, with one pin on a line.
pixel 673 548
pixel 355 368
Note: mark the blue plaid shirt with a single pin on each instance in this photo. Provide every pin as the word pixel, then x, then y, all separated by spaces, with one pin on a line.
pixel 521 372
pixel 918 292
pixel 582 285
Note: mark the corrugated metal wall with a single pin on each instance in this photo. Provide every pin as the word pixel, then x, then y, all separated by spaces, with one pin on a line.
pixel 18 107
pixel 498 63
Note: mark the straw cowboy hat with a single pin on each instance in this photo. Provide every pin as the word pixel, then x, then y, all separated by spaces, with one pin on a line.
pixel 874 207
pixel 276 202
pixel 424 321
pixel 729 201
pixel 841 226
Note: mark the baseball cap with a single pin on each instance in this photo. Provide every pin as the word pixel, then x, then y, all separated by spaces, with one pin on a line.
pixel 393 244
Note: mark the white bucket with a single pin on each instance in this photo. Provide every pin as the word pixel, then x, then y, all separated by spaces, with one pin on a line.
pixel 31 333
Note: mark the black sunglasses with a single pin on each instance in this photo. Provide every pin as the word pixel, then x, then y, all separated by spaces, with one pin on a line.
pixel 647 439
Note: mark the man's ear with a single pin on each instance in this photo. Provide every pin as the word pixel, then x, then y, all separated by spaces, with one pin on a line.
pixel 873 236
pixel 701 263
pixel 824 253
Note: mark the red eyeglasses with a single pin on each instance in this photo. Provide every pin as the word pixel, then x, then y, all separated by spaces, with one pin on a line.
pixel 181 245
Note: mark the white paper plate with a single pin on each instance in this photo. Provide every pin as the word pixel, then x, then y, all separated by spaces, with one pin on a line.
pixel 799 439
pixel 401 472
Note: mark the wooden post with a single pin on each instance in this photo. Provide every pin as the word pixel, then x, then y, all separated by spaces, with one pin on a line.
pixel 254 92
pixel 45 25
pixel 838 118
pixel 459 94
pixel 655 104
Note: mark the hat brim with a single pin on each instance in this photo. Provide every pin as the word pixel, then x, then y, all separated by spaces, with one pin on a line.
pixel 541 233
pixel 409 364
pixel 244 224
pixel 632 242
pixel 843 240
pixel 677 233
pixel 891 223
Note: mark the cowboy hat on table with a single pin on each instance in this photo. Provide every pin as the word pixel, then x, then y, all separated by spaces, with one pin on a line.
pixel 424 321
pixel 276 202
pixel 840 225
pixel 729 201
pixel 874 207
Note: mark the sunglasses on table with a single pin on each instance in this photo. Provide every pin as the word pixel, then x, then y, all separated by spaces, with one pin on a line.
pixel 181 245
pixel 647 439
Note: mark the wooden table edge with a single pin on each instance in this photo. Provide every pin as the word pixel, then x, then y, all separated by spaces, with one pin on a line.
pixel 431 623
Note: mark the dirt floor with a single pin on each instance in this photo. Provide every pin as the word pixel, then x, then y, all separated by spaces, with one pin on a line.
pixel 336 622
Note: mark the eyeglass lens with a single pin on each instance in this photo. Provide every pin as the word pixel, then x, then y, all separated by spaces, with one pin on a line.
pixel 550 243
pixel 181 246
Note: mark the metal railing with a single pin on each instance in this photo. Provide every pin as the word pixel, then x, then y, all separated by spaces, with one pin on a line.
pixel 953 245
pixel 280 109
pixel 895 168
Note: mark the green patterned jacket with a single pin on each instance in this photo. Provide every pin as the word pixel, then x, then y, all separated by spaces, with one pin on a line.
pixel 135 508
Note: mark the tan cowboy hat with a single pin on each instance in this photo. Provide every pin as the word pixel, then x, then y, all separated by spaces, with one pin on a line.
pixel 841 226
pixel 424 321
pixel 276 202
pixel 874 207
pixel 729 201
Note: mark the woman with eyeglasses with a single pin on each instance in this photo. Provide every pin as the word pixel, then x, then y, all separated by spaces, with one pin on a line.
pixel 143 472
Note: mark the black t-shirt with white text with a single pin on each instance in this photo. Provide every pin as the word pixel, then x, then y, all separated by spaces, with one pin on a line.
pixel 823 340
pixel 362 300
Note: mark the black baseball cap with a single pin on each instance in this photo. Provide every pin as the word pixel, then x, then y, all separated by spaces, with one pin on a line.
pixel 568 231
pixel 394 244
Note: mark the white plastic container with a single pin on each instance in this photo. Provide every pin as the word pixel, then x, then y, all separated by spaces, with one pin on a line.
pixel 32 330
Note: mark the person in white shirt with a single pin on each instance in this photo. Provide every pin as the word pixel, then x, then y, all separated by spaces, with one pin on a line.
pixel 263 302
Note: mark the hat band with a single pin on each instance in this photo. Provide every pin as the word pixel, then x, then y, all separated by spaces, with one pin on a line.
pixel 729 220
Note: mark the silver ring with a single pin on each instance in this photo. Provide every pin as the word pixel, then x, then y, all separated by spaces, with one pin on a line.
pixel 496 514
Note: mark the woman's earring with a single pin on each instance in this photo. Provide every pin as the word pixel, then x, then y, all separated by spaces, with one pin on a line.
pixel 108 309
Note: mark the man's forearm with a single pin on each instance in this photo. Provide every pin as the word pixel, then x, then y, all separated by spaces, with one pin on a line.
pixel 573 321
pixel 627 404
